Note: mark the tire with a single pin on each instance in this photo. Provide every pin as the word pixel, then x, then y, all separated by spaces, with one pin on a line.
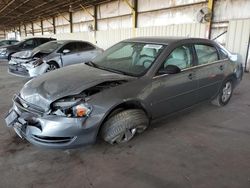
pixel 9 57
pixel 122 127
pixel 224 94
pixel 52 66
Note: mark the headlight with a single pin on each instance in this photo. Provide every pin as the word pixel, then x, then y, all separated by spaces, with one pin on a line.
pixel 3 51
pixel 37 62
pixel 71 108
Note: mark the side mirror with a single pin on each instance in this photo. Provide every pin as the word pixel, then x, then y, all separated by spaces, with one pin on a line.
pixel 235 57
pixel 66 51
pixel 170 69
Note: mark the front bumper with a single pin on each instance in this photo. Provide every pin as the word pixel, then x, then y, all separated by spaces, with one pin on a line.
pixel 18 70
pixel 51 131
pixel 26 69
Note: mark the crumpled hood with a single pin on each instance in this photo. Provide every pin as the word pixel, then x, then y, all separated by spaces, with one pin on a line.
pixel 67 81
pixel 27 54
pixel 23 54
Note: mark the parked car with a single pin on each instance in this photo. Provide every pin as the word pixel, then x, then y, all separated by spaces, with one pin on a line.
pixel 51 56
pixel 121 91
pixel 7 42
pixel 27 44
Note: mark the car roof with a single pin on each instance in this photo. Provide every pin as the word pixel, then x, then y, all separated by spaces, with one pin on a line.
pixel 165 40
pixel 40 38
pixel 64 41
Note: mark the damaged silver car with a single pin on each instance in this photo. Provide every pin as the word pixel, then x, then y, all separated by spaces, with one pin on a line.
pixel 118 94
pixel 51 56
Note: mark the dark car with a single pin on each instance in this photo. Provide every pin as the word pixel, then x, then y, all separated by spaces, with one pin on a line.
pixel 7 42
pixel 122 90
pixel 27 44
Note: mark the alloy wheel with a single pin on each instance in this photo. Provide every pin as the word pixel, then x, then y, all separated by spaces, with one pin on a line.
pixel 51 68
pixel 125 136
pixel 226 92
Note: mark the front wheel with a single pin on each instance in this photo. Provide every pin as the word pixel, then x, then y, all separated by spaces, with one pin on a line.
pixel 224 95
pixel 52 66
pixel 122 127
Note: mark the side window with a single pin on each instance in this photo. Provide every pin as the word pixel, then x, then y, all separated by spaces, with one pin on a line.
pixel 41 41
pixel 83 46
pixel 180 57
pixel 70 46
pixel 223 54
pixel 206 54
pixel 29 44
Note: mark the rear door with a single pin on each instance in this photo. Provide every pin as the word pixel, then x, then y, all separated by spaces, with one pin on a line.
pixel 172 92
pixel 209 70
pixel 87 51
pixel 73 57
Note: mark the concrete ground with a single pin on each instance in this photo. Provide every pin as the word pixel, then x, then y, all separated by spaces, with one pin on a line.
pixel 206 147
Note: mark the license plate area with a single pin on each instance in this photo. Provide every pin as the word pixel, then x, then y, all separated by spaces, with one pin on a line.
pixel 11 118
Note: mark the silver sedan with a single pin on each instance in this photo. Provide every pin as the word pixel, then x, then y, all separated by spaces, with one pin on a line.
pixel 51 56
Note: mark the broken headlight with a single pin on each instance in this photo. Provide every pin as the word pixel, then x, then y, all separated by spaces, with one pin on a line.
pixel 71 108
pixel 37 62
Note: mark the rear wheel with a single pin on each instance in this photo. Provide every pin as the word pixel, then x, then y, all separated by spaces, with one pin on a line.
pixel 52 66
pixel 224 95
pixel 122 127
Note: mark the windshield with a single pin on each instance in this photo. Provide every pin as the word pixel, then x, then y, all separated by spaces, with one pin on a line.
pixel 129 58
pixel 49 46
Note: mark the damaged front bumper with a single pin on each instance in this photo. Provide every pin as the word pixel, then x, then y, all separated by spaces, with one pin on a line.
pixel 26 69
pixel 50 131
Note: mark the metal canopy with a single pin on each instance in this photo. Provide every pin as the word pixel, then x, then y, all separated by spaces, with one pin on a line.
pixel 16 12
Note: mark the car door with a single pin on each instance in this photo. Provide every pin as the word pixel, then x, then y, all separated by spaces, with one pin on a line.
pixel 172 92
pixel 72 56
pixel 87 51
pixel 209 70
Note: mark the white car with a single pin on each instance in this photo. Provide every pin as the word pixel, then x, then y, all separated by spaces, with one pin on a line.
pixel 50 56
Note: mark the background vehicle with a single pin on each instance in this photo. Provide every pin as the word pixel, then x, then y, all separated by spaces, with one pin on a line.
pixel 52 55
pixel 7 42
pixel 116 95
pixel 27 44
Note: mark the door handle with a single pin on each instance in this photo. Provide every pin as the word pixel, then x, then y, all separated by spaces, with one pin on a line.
pixel 190 76
pixel 221 67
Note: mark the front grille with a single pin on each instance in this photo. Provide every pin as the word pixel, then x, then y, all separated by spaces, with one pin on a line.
pixel 18 69
pixel 52 140
pixel 26 106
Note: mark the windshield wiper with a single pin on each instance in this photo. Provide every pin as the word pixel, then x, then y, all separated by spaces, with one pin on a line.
pixel 92 64
pixel 112 70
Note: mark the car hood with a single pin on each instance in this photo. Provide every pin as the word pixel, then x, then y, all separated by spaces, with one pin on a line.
pixel 67 81
pixel 23 54
pixel 28 54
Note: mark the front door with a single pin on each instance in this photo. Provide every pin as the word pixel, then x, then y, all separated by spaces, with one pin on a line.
pixel 87 51
pixel 72 56
pixel 172 92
